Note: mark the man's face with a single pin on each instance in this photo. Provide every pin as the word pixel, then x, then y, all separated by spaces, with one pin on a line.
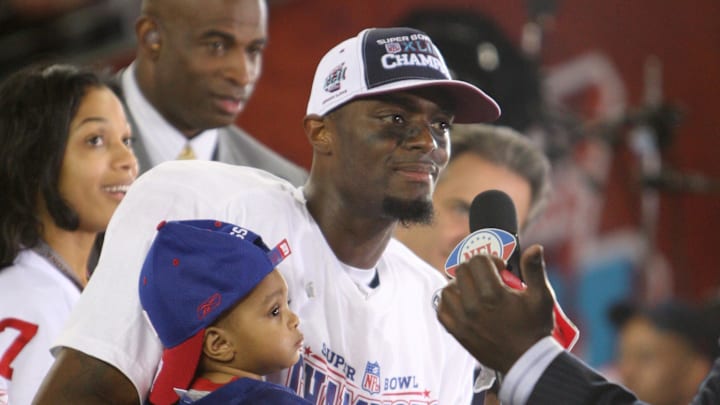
pixel 208 62
pixel 655 364
pixel 390 151
pixel 465 177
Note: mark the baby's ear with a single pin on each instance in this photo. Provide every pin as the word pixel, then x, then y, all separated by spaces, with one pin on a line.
pixel 217 346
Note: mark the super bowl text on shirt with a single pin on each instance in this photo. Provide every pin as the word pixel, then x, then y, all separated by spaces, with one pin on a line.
pixel 326 378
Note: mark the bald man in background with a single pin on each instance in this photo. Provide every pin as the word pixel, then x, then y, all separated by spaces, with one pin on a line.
pixel 196 67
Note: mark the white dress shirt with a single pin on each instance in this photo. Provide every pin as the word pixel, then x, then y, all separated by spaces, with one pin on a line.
pixel 162 141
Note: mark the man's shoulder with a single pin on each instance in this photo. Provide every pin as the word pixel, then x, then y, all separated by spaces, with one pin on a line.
pixel 201 174
pixel 196 186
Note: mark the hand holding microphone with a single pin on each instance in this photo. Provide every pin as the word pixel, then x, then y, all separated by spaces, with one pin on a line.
pixel 493 231
pixel 488 309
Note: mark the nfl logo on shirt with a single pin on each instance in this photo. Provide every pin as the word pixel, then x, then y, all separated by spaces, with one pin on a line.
pixel 489 241
pixel 371 379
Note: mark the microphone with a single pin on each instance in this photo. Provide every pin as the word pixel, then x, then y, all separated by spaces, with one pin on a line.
pixel 493 209
pixel 493 227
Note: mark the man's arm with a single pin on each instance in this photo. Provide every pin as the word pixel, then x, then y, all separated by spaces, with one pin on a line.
pixel 568 380
pixel 76 378
pixel 499 325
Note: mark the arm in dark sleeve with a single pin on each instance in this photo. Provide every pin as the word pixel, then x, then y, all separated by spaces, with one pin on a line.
pixel 570 381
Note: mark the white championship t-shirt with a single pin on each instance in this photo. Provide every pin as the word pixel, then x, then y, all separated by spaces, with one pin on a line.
pixel 35 301
pixel 384 347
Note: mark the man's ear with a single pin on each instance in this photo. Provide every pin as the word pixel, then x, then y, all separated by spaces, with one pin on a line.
pixel 320 133
pixel 217 346
pixel 148 36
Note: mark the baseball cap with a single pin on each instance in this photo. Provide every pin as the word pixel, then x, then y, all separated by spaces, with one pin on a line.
pixel 383 60
pixel 194 271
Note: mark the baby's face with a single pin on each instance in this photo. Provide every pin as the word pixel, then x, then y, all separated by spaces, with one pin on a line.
pixel 263 330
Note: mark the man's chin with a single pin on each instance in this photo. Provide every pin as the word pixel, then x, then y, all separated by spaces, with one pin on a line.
pixel 409 212
pixel 221 121
pixel 216 118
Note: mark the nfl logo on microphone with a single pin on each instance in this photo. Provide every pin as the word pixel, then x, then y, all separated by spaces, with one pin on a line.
pixel 489 241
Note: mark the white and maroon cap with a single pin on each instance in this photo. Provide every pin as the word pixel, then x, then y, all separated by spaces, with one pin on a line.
pixel 384 60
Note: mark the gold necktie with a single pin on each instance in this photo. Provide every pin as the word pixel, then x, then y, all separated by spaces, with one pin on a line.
pixel 187 153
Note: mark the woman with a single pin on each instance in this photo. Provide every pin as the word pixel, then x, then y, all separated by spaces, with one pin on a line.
pixel 65 164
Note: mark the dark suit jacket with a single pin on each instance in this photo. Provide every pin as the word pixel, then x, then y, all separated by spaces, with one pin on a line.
pixel 570 381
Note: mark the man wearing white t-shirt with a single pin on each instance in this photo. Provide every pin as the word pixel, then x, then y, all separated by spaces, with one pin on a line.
pixel 378 120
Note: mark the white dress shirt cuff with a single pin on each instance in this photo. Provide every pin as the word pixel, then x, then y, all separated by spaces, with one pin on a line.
pixel 520 381
pixel 485 379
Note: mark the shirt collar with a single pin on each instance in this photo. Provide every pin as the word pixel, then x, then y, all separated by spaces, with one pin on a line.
pixel 166 142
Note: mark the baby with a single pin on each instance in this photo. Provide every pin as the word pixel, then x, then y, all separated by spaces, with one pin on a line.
pixel 211 292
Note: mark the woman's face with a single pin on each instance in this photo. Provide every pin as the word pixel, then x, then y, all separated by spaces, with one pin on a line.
pixel 99 164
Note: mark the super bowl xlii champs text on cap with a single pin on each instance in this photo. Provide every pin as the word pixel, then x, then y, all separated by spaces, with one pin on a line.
pixel 382 60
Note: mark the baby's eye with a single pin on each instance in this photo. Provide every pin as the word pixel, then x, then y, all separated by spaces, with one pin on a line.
pixel 275 311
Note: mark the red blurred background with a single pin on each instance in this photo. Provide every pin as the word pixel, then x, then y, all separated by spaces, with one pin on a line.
pixel 684 36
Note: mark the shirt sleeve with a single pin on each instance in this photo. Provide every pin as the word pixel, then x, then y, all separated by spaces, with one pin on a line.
pixel 520 381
